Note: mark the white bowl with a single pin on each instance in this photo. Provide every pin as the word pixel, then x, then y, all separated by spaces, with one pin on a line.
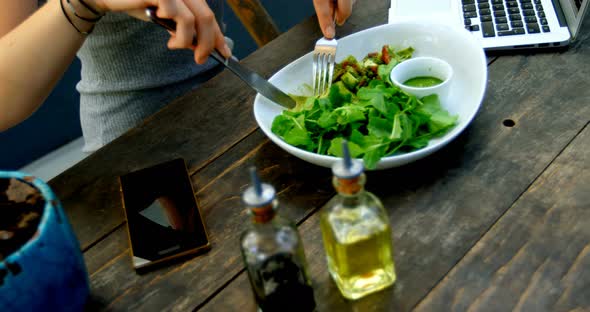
pixel 424 66
pixel 452 44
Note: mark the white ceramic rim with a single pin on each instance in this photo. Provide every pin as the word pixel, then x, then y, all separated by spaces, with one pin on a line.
pixel 401 159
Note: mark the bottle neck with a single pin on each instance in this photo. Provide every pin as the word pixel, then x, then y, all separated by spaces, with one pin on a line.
pixel 350 187
pixel 263 214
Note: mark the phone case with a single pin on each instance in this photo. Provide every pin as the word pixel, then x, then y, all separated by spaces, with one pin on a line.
pixel 163 219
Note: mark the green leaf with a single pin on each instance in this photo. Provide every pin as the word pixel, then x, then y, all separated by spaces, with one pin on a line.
pixel 348 114
pixel 339 95
pixel 418 142
pixel 377 101
pixel 336 148
pixel 298 137
pixel 391 108
pixel 384 71
pixel 379 97
pixel 407 126
pixel 378 119
pixel 303 103
pixel 404 54
pixel 379 127
pixel 350 81
pixel 373 156
pixel 377 84
pixel 357 137
pixel 396 129
pixel 281 125
pixel 430 105
pixel 293 131
pixel 323 145
pixel 328 120
pixel 441 120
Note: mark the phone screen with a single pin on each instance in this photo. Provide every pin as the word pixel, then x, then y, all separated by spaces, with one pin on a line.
pixel 163 219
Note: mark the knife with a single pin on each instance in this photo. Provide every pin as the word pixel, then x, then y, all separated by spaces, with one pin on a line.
pixel 250 77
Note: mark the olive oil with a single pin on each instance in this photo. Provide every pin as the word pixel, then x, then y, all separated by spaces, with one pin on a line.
pixel 357 235
pixel 359 261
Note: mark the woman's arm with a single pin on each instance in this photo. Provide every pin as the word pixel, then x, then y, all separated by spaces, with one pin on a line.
pixel 35 54
pixel 14 12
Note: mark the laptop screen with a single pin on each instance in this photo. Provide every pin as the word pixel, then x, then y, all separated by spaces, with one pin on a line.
pixel 574 11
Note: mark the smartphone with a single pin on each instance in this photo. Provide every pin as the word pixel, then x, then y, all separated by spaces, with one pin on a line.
pixel 163 219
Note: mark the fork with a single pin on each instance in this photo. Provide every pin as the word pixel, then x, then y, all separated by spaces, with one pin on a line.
pixel 324 58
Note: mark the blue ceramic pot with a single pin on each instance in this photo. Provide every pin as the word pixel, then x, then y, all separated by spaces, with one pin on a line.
pixel 47 273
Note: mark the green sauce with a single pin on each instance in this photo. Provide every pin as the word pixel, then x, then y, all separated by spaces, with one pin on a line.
pixel 422 82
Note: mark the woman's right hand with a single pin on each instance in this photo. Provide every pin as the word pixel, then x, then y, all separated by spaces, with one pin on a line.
pixel 330 11
pixel 191 17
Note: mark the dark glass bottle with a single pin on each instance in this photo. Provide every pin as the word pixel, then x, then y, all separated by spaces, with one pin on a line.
pixel 273 255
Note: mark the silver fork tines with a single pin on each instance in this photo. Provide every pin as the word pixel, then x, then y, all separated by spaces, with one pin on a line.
pixel 324 57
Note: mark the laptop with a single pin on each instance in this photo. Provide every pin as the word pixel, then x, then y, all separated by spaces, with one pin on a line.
pixel 502 24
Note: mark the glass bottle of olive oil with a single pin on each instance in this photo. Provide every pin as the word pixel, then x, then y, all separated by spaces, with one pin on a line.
pixel 356 234
pixel 273 254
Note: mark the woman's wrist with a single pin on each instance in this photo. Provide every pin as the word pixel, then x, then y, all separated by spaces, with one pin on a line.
pixel 81 15
pixel 90 8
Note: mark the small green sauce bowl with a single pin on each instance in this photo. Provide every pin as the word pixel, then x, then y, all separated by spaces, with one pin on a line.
pixel 424 68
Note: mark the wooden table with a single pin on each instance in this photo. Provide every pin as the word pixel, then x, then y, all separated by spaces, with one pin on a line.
pixel 497 220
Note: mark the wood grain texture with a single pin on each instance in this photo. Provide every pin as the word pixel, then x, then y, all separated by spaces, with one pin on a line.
pixel 441 206
pixel 238 294
pixel 226 161
pixel 107 249
pixel 199 127
pixel 90 190
pixel 301 187
pixel 536 257
pixel 255 19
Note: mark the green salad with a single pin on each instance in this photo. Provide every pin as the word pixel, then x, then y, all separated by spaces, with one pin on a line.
pixel 365 108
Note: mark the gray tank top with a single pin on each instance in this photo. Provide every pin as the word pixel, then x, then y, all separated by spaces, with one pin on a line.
pixel 128 73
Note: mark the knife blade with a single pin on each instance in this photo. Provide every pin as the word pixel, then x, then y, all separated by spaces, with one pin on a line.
pixel 251 78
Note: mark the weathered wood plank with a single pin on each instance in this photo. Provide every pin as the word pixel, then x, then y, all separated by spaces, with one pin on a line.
pixel 536 257
pixel 483 156
pixel 103 212
pixel 117 242
pixel 107 249
pixel 301 186
pixel 101 299
pixel 441 206
pixel 255 19
pixel 89 191
pixel 227 161
pixel 239 294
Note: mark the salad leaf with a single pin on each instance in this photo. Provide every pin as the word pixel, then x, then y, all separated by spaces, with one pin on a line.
pixel 336 148
pixel 384 71
pixel 365 108
pixel 292 130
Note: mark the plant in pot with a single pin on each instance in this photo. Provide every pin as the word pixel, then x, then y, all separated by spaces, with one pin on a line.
pixel 41 266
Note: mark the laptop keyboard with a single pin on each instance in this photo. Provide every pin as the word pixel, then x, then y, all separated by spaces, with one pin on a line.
pixel 504 17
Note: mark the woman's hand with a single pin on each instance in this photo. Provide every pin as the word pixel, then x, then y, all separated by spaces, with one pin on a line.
pixel 191 17
pixel 325 11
